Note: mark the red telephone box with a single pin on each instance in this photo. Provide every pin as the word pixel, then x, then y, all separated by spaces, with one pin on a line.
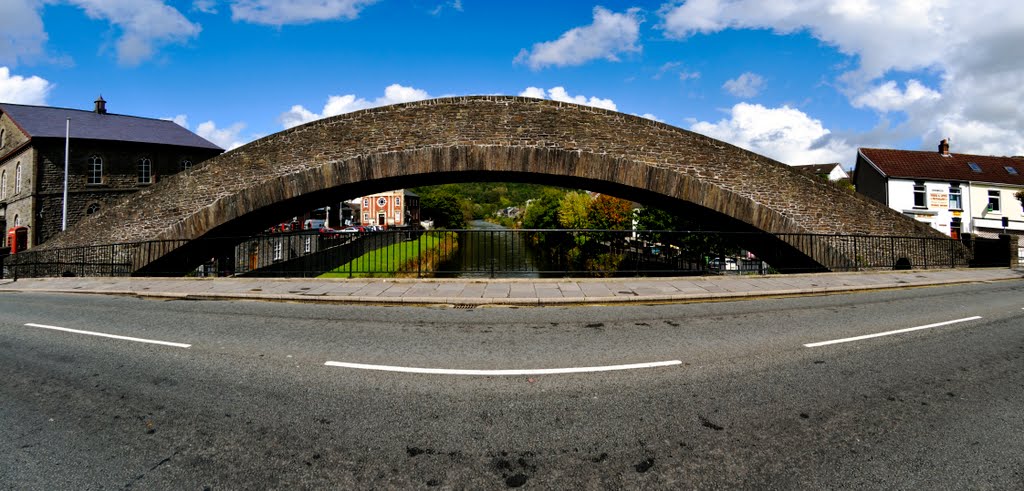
pixel 17 239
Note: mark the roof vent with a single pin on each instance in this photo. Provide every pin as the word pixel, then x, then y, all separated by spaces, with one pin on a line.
pixel 101 106
pixel 944 147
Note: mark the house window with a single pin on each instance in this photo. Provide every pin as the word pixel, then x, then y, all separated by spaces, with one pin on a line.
pixel 3 184
pixel 919 195
pixel 278 250
pixel 955 198
pixel 308 246
pixel 94 174
pixel 93 208
pixel 185 165
pixel 398 201
pixel 954 228
pixel 993 200
pixel 17 178
pixel 145 168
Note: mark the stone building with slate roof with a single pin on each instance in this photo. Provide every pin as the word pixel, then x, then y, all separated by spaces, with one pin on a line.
pixel 111 157
pixel 953 192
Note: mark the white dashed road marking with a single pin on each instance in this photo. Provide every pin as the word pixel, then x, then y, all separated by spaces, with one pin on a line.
pixel 112 336
pixel 542 371
pixel 890 333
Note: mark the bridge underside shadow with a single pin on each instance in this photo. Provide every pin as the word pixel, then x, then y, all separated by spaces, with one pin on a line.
pixel 222 240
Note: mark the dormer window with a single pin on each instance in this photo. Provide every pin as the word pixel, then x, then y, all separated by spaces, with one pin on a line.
pixel 974 167
pixel 1011 170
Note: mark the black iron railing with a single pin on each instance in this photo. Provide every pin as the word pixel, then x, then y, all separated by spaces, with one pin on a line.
pixel 496 253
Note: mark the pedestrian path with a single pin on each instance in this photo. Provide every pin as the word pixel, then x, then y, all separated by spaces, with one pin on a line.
pixel 507 291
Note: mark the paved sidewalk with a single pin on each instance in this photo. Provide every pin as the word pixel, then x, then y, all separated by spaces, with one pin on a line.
pixel 506 291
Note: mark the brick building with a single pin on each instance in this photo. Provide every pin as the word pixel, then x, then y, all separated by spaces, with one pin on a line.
pixel 111 156
pixel 400 208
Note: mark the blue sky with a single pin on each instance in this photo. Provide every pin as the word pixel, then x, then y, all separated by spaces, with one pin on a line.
pixel 804 82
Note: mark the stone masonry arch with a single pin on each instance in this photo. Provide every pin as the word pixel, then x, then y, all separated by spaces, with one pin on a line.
pixel 491 138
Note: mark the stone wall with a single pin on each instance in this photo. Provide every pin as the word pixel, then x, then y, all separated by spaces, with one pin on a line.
pixel 488 138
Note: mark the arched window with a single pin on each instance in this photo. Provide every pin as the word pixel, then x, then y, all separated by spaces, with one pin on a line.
pixel 186 165
pixel 17 178
pixel 93 208
pixel 145 168
pixel 17 220
pixel 3 138
pixel 3 184
pixel 94 174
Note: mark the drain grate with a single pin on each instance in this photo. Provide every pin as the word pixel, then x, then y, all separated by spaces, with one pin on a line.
pixel 463 306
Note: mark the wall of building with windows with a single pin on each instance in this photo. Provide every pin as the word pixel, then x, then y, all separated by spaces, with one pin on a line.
pixel 991 203
pixel 944 205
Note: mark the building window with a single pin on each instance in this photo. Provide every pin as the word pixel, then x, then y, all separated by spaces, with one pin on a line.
pixel 993 200
pixel 398 201
pixel 17 178
pixel 3 138
pixel 94 174
pixel 366 202
pixel 954 228
pixel 93 208
pixel 185 165
pixel 955 198
pixel 145 168
pixel 308 246
pixel 278 250
pixel 974 167
pixel 17 220
pixel 366 217
pixel 3 184
pixel 919 195
pixel 1011 170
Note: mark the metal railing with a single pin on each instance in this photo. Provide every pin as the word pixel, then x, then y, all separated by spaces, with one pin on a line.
pixel 496 253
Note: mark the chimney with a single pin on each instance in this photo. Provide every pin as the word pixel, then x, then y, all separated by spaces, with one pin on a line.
pixel 101 106
pixel 944 147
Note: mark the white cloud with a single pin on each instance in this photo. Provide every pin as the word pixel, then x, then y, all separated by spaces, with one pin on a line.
pixel 145 26
pixel 887 97
pixel 341 104
pixel 783 133
pixel 16 89
pixel 608 36
pixel 227 138
pixel 652 117
pixel 560 94
pixel 205 6
pixel 281 12
pixel 971 47
pixel 747 85
pixel 181 120
pixel 685 75
pixel 22 36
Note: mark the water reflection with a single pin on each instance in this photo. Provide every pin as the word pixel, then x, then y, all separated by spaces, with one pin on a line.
pixel 498 253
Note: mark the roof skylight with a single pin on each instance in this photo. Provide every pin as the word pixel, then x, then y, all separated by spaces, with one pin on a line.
pixel 1011 170
pixel 974 167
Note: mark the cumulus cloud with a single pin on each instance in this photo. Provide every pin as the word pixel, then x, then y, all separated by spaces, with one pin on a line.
pixel 341 104
pixel 281 12
pixel 971 47
pixel 561 95
pixel 610 35
pixel 227 138
pixel 888 97
pixel 205 6
pixel 652 117
pixel 145 25
pixel 783 133
pixel 747 85
pixel 16 89
pixel 22 36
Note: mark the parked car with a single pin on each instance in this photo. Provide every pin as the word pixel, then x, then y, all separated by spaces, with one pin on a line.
pixel 354 229
pixel 313 224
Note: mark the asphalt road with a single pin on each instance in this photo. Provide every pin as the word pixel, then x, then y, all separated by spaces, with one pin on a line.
pixel 250 404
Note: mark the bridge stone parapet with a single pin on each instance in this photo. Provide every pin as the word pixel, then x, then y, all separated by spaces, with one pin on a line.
pixel 489 138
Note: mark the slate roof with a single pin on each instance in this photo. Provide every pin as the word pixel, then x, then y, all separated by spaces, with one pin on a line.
pixel 49 122
pixel 909 164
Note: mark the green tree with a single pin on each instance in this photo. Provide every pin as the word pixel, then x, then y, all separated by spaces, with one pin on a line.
pixel 574 210
pixel 444 208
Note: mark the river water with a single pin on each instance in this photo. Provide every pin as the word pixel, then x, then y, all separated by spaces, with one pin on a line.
pixel 502 251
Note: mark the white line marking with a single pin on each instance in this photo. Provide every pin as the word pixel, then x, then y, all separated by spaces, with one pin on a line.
pixel 889 333
pixel 542 371
pixel 113 336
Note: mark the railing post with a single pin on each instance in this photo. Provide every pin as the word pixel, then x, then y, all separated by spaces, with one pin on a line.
pixel 924 252
pixel 419 256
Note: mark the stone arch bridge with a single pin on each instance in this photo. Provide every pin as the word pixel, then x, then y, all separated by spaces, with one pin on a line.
pixel 497 139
